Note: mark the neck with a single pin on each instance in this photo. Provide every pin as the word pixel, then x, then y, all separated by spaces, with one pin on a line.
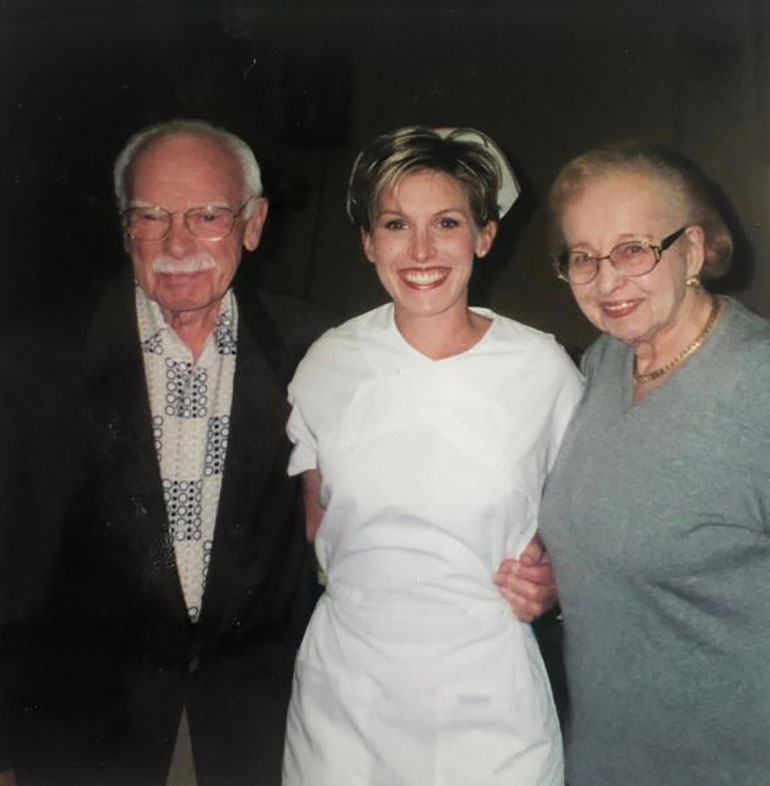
pixel 193 327
pixel 442 335
pixel 667 345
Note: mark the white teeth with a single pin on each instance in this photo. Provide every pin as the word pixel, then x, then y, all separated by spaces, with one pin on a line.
pixel 616 306
pixel 423 277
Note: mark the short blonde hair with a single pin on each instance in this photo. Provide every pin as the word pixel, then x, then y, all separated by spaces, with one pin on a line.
pixel 417 148
pixel 686 182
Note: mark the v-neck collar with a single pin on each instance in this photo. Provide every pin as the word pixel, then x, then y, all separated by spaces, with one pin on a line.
pixel 402 343
pixel 681 372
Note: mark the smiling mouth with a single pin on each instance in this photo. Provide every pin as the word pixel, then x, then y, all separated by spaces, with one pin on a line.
pixel 424 278
pixel 619 308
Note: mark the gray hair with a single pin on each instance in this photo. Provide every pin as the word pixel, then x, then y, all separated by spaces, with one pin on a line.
pixel 699 197
pixel 252 181
pixel 416 148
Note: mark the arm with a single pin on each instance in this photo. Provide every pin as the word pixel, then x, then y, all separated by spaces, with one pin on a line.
pixel 7 778
pixel 527 583
pixel 311 487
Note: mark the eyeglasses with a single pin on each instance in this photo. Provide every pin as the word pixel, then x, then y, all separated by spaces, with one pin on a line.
pixel 210 222
pixel 632 258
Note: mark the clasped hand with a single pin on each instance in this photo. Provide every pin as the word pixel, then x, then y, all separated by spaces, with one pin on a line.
pixel 527 583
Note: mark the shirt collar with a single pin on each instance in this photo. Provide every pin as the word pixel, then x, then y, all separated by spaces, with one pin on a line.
pixel 152 326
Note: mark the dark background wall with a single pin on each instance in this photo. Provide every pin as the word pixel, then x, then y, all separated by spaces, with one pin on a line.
pixel 307 83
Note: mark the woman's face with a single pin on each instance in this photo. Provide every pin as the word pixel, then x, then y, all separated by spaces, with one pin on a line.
pixel 422 244
pixel 617 208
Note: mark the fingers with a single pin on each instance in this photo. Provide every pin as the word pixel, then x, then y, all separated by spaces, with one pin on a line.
pixel 534 552
pixel 526 610
pixel 506 566
pixel 512 573
pixel 529 590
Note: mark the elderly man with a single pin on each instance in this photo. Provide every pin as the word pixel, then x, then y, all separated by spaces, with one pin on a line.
pixel 152 439
pixel 155 573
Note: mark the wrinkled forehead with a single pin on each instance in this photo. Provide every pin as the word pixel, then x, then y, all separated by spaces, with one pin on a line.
pixel 630 188
pixel 605 209
pixel 185 163
pixel 626 179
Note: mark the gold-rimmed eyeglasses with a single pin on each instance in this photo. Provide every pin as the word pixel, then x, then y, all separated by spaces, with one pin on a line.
pixel 209 222
pixel 631 258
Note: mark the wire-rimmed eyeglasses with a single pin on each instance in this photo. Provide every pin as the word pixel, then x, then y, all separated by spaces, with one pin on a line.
pixel 631 258
pixel 209 222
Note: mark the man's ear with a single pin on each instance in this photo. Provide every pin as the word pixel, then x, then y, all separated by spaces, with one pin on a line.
pixel 253 231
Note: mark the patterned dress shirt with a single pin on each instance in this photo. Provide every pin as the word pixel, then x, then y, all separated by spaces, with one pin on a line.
pixel 190 404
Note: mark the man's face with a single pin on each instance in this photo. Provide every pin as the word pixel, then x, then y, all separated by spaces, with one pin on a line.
pixel 182 272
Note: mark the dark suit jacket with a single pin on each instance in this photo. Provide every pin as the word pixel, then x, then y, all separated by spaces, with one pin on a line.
pixel 99 654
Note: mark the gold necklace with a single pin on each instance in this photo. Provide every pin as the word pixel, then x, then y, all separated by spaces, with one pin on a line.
pixel 716 311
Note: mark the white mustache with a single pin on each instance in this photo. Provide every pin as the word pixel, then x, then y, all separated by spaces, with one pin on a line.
pixel 195 264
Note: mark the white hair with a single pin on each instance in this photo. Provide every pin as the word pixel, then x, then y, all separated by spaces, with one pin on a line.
pixel 252 180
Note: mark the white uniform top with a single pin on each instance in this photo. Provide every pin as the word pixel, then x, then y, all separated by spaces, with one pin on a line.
pixel 413 669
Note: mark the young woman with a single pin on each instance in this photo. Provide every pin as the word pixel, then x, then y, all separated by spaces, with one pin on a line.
pixel 424 430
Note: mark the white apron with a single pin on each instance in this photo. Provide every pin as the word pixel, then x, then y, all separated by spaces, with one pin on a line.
pixel 413 670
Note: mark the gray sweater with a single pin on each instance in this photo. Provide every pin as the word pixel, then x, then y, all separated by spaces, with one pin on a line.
pixel 657 515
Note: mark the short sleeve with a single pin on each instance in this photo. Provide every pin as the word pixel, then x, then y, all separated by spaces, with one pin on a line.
pixel 304 454
pixel 309 399
pixel 570 391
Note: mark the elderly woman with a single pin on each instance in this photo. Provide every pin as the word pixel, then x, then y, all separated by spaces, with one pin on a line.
pixel 657 513
pixel 424 430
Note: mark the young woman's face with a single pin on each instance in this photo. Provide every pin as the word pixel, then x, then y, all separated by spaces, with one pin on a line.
pixel 423 241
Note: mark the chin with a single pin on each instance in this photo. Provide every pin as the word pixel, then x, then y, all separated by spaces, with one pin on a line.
pixel 425 303
pixel 420 310
pixel 628 336
pixel 625 329
pixel 186 298
pixel 184 304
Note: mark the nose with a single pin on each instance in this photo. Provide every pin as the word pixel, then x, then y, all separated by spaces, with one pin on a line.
pixel 422 244
pixel 608 278
pixel 179 241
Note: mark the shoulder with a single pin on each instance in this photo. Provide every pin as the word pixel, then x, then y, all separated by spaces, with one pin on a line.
pixel 742 353
pixel 337 343
pixel 524 336
pixel 339 352
pixel 278 327
pixel 744 331
pixel 298 321
pixel 605 350
pixel 376 321
pixel 538 350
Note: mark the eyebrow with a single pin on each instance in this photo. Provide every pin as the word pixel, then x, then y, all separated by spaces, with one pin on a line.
pixel 152 205
pixel 634 236
pixel 438 213
pixel 624 237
